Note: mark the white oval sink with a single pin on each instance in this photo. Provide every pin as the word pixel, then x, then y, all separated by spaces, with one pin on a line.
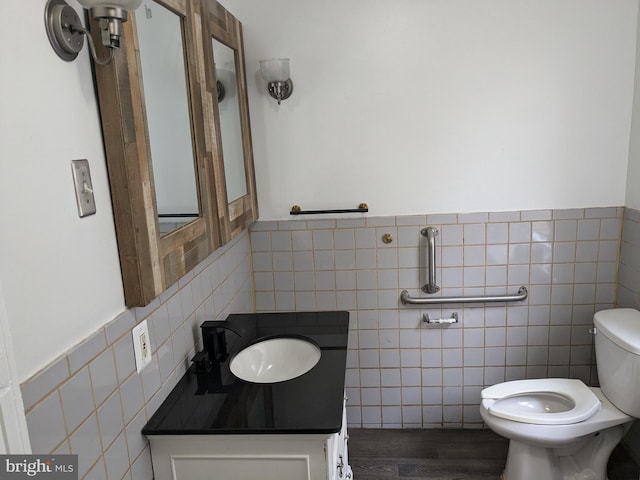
pixel 275 360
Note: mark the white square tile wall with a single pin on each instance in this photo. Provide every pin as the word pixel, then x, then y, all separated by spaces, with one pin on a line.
pixel 92 402
pixel 629 272
pixel 405 374
pixel 400 373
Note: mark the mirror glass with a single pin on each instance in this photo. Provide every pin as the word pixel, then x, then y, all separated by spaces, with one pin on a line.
pixel 165 86
pixel 230 126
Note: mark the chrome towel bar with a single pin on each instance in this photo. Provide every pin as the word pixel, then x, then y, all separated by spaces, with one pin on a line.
pixel 407 299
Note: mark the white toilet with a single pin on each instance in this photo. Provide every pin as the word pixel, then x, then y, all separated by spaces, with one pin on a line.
pixel 560 429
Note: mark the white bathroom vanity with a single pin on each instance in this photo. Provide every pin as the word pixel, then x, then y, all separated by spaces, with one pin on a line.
pixel 215 425
pixel 267 457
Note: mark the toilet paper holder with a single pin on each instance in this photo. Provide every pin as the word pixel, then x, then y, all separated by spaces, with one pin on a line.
pixel 445 321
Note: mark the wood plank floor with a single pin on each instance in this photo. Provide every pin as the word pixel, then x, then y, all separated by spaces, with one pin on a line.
pixel 448 454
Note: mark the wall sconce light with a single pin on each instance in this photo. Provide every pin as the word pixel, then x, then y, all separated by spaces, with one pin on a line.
pixel 276 73
pixel 66 33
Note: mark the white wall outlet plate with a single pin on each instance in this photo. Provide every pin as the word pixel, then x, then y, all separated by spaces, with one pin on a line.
pixel 141 345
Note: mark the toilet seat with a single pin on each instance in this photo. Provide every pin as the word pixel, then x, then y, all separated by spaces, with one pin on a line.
pixel 548 401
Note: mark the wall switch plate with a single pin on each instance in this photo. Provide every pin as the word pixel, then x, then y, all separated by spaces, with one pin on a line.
pixel 141 345
pixel 84 189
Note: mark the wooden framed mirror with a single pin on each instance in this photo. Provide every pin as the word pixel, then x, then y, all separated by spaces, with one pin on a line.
pixel 152 257
pixel 165 146
pixel 227 88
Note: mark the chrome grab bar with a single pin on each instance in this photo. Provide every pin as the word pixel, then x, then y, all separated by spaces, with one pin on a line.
pixel 407 299
pixel 430 233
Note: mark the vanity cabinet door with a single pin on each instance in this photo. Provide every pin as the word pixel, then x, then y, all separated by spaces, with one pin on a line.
pixel 234 457
pixel 239 468
pixel 264 457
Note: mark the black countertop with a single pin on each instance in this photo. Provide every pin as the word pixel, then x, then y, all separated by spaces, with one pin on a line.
pixel 311 403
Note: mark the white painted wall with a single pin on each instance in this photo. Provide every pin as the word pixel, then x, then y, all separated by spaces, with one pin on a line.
pixel 431 106
pixel 60 273
pixel 633 172
pixel 412 106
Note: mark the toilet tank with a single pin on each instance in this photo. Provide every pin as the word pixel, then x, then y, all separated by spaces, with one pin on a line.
pixel 618 357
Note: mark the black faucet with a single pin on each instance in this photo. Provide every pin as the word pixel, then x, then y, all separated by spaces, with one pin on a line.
pixel 207 362
pixel 214 339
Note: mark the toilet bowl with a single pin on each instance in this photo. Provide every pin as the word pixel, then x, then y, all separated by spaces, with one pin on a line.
pixel 561 429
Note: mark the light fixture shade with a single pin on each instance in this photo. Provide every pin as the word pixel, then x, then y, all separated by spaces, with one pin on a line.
pixel 275 70
pixel 129 5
